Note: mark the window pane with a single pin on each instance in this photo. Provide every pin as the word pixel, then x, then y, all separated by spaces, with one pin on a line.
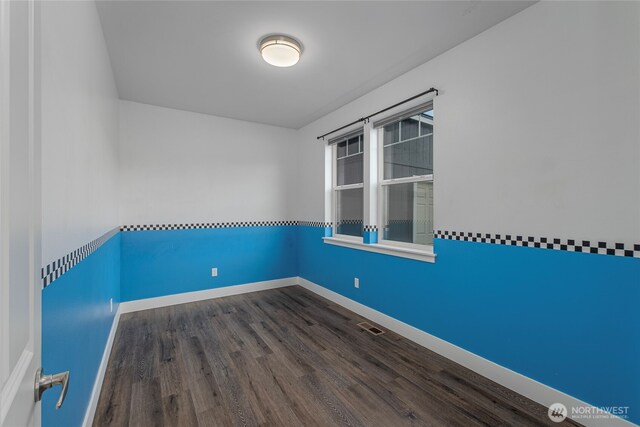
pixel 408 147
pixel 409 158
pixel 349 211
pixel 353 145
pixel 391 133
pixel 349 170
pixel 409 127
pixel 426 125
pixel 341 149
pixel 407 212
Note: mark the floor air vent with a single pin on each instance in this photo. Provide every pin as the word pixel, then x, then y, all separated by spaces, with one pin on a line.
pixel 370 328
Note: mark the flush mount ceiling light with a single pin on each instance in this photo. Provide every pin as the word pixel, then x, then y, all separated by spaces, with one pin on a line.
pixel 280 50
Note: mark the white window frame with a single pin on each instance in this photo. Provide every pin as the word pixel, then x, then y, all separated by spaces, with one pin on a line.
pixel 373 174
pixel 382 183
pixel 335 188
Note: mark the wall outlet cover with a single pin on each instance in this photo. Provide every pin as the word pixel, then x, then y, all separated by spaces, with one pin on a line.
pixel 356 282
pixel 214 272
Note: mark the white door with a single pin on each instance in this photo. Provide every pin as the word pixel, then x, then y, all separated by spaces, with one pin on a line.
pixel 20 284
pixel 422 208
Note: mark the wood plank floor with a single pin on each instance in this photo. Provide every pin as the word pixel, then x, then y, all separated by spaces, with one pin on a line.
pixel 287 357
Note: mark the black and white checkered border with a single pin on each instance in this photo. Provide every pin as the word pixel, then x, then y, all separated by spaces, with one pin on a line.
pixel 57 268
pixel 570 245
pixel 350 222
pixel 315 224
pixel 148 227
pixel 193 226
pixel 370 228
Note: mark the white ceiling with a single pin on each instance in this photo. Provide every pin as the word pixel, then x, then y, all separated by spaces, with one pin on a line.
pixel 202 56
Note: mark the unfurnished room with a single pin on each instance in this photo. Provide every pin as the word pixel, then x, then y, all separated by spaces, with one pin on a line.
pixel 319 213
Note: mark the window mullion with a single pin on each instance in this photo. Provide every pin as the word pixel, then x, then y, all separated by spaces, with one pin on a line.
pixel 407 180
pixel 402 141
pixel 349 186
pixel 370 178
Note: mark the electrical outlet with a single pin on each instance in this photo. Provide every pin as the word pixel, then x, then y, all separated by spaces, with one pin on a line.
pixel 111 304
pixel 214 272
pixel 356 282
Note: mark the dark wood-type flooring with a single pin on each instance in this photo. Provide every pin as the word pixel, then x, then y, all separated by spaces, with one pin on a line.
pixel 287 357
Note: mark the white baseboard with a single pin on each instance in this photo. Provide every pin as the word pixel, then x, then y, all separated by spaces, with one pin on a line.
pixel 148 303
pixel 97 385
pixel 519 383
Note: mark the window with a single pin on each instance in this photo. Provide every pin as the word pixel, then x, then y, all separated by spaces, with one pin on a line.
pixel 406 179
pixel 348 187
pixel 379 185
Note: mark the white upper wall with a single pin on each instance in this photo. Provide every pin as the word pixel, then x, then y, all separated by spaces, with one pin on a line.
pixel 183 167
pixel 79 129
pixel 537 133
pixel 537 128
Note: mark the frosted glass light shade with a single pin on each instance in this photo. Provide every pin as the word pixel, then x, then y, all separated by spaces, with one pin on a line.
pixel 281 51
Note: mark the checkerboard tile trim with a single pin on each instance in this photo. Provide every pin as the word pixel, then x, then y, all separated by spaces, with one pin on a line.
pixel 570 245
pixel 57 268
pixel 315 224
pixel 370 228
pixel 194 226
pixel 350 222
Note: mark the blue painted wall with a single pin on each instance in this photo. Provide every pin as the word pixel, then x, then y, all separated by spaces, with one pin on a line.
pixel 568 320
pixel 76 321
pixel 158 263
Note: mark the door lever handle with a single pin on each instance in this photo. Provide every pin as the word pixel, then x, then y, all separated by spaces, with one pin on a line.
pixel 45 382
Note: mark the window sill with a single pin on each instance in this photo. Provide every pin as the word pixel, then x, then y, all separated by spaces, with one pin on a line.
pixel 419 255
